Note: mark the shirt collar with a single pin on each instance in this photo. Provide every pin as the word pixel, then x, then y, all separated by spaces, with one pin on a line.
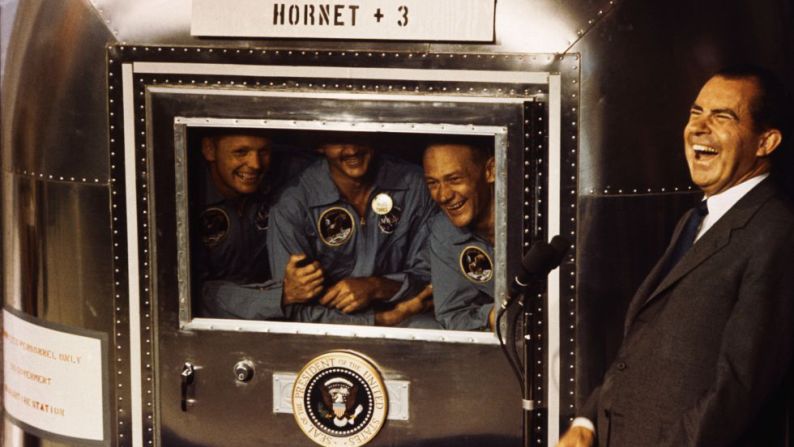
pixel 721 203
pixel 320 188
pixel 457 235
pixel 213 195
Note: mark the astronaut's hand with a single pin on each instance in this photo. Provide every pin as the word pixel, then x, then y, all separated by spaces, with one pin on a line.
pixel 353 294
pixel 418 304
pixel 302 282
pixel 577 437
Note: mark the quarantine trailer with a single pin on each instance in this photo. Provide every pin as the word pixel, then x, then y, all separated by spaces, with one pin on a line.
pixel 104 104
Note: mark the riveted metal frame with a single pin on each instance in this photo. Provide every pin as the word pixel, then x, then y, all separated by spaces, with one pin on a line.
pixel 568 215
pixel 121 332
pixel 129 95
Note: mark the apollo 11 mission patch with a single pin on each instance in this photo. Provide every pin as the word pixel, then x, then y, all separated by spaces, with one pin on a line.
pixel 476 265
pixel 335 226
pixel 214 226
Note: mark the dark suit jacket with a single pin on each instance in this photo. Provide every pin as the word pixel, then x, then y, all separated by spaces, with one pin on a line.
pixel 707 348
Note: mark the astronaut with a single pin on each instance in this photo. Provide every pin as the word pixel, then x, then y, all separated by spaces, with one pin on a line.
pixel 460 176
pixel 232 259
pixel 346 237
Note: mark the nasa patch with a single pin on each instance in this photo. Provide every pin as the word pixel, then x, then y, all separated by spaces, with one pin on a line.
pixel 262 217
pixel 388 222
pixel 214 226
pixel 335 226
pixel 476 265
pixel 339 399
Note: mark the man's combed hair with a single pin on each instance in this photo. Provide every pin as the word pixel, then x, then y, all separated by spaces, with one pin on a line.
pixel 771 109
pixel 216 133
pixel 482 147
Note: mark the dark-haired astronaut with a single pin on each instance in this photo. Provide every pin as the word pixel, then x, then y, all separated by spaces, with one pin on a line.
pixel 232 259
pixel 461 178
pixel 346 238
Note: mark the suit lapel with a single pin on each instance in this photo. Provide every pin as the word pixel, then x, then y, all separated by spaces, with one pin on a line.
pixel 714 240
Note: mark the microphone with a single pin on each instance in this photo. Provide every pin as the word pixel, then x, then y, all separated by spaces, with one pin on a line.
pixel 542 258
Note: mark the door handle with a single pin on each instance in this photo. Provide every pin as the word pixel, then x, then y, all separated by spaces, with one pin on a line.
pixel 187 375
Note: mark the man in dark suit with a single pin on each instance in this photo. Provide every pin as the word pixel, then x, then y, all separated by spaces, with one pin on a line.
pixel 708 335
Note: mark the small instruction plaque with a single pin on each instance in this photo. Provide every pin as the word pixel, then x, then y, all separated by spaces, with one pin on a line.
pixel 53 379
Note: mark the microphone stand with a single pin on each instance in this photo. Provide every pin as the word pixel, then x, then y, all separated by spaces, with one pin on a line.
pixel 528 402
pixel 524 367
pixel 541 259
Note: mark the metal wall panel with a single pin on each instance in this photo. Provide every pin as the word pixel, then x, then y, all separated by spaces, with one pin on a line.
pixel 58 261
pixel 55 118
pixel 58 251
pixel 538 26
pixel 642 67
pixel 616 255
pixel 452 387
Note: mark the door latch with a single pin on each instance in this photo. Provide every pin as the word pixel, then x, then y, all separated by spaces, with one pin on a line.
pixel 188 375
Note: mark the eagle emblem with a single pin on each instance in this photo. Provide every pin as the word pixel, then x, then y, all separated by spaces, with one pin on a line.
pixel 341 397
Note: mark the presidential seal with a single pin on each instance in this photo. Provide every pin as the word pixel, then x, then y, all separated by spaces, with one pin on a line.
pixel 476 265
pixel 339 399
pixel 335 226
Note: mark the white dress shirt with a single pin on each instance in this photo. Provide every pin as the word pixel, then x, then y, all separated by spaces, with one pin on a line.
pixel 719 204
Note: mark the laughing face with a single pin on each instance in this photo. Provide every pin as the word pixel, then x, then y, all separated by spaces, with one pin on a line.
pixel 460 185
pixel 723 147
pixel 348 160
pixel 238 162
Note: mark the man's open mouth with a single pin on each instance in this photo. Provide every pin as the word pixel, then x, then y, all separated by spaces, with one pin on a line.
pixel 247 177
pixel 355 160
pixel 701 150
pixel 455 207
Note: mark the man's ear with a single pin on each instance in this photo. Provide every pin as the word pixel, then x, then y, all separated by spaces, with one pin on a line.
pixel 208 149
pixel 768 142
pixel 490 170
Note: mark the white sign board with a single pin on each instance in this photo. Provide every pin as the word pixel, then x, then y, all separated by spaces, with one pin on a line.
pixel 53 379
pixel 424 20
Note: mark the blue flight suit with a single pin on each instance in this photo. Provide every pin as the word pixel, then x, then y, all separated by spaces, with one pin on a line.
pixel 311 217
pixel 232 260
pixel 462 276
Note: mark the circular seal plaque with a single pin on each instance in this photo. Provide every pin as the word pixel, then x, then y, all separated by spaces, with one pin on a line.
pixel 339 399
